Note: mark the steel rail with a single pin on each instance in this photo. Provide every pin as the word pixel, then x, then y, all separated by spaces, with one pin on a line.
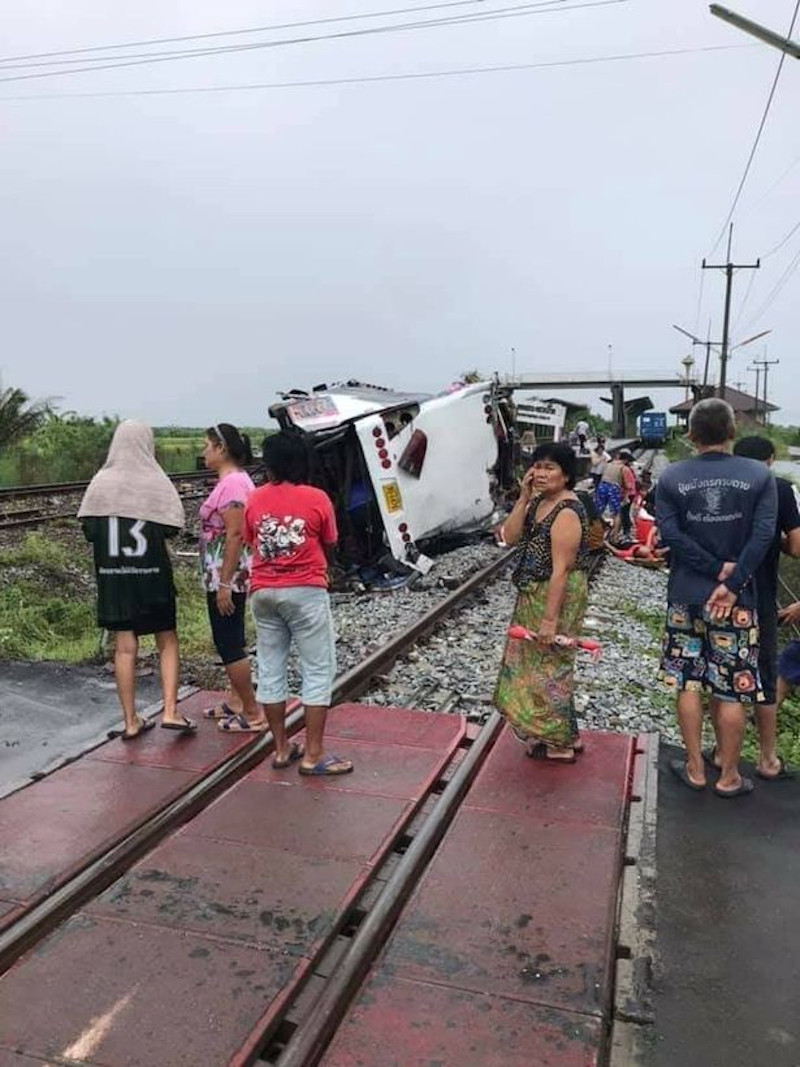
pixel 14 492
pixel 307 1044
pixel 102 870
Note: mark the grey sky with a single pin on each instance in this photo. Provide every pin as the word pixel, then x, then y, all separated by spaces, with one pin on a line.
pixel 183 257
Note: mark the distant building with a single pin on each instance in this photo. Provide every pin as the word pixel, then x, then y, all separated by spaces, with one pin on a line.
pixel 749 410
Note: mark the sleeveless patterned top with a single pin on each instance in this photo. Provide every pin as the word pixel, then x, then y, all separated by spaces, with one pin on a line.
pixel 536 553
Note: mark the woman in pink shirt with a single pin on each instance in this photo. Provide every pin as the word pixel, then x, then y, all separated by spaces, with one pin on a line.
pixel 225 561
pixel 291 527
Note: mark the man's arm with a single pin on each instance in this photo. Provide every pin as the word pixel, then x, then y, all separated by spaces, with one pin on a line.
pixel 762 534
pixel 668 520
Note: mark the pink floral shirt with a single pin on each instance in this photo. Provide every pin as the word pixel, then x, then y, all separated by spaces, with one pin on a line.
pixel 232 491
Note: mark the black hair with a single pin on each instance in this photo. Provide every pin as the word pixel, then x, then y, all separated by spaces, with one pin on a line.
pixel 712 422
pixel 755 448
pixel 285 458
pixel 237 444
pixel 560 454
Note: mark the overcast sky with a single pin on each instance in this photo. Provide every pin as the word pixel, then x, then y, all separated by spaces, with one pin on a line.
pixel 183 257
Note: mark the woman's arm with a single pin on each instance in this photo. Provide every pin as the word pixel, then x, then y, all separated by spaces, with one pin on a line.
pixel 512 528
pixel 565 541
pixel 232 517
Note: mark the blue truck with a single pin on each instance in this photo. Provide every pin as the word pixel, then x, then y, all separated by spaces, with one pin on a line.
pixel 653 428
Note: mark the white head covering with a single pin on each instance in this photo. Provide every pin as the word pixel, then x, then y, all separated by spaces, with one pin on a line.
pixel 131 483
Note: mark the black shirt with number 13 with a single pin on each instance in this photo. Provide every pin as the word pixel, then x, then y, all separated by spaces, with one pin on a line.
pixel 133 568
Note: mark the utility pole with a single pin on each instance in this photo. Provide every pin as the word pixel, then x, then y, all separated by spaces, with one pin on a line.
pixel 783 44
pixel 755 369
pixel 766 364
pixel 708 345
pixel 729 268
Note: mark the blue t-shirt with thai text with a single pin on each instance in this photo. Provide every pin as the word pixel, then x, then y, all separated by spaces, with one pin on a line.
pixel 710 510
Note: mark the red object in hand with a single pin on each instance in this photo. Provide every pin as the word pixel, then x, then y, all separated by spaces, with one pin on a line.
pixel 586 644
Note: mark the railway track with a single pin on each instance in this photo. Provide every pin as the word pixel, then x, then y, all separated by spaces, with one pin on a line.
pixel 22 492
pixel 99 870
pixel 45 503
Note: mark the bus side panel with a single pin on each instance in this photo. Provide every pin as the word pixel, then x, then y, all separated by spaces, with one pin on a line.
pixel 454 487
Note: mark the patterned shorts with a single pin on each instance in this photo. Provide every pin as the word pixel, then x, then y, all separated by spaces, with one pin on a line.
pixel 716 657
pixel 608 495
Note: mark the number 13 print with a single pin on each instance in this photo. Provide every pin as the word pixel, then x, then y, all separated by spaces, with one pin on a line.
pixel 135 531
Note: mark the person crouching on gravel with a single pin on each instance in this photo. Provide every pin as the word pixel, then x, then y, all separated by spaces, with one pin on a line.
pixel 291 527
pixel 535 685
pixel 717 514
pixel 128 513
pixel 225 562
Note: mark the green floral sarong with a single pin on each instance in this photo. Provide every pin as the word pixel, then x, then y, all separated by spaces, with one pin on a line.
pixel 535 687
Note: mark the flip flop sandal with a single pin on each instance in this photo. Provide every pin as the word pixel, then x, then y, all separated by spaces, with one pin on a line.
pixel 220 711
pixel 328 766
pixel 123 735
pixel 185 727
pixel 680 770
pixel 238 724
pixel 540 753
pixel 783 774
pixel 296 752
pixel 746 787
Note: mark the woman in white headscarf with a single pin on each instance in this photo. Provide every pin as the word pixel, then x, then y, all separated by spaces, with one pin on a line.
pixel 129 511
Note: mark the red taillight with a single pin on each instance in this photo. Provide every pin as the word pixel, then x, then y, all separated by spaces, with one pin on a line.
pixel 383 454
pixel 377 431
pixel 380 443
pixel 386 464
pixel 413 456
pixel 403 527
pixel 406 537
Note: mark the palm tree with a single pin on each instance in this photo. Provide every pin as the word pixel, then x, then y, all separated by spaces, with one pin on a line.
pixel 19 416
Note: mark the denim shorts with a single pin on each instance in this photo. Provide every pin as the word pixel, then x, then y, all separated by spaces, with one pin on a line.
pixel 299 613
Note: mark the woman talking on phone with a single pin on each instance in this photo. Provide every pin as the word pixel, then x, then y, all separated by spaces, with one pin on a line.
pixel 535 686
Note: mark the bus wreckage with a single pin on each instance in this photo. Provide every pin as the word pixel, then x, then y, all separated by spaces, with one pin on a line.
pixel 404 471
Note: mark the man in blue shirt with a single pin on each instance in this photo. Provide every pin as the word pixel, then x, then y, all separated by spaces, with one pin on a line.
pixel 717 514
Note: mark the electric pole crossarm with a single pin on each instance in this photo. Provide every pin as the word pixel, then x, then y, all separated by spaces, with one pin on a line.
pixel 784 44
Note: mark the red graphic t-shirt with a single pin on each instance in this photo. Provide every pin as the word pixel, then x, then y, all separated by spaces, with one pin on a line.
pixel 287 526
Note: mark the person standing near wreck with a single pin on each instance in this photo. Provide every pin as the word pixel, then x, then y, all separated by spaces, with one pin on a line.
pixel 128 513
pixel 225 563
pixel 717 514
pixel 291 526
pixel 535 685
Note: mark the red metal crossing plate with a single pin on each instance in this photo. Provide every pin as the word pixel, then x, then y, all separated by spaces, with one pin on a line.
pixel 504 956
pixel 52 826
pixel 413 1024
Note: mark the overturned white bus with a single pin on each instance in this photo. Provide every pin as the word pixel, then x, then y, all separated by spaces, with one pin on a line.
pixel 402 469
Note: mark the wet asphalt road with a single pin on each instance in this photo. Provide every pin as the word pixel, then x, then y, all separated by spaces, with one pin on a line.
pixel 50 712
pixel 727 990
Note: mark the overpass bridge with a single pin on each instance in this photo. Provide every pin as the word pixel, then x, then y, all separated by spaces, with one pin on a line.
pixel 615 383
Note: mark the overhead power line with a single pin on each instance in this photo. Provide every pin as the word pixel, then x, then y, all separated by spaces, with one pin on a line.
pixel 776 291
pixel 782 242
pixel 543 7
pixel 759 132
pixel 270 28
pixel 376 78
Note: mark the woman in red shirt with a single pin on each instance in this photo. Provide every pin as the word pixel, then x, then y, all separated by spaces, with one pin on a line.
pixel 291 527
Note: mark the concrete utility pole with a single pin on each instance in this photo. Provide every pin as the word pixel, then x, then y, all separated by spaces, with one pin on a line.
pixel 766 364
pixel 729 268
pixel 757 371
pixel 755 29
